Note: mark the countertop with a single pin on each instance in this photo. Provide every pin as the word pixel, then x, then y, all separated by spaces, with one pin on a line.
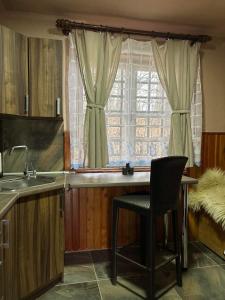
pixel 7 199
pixel 115 179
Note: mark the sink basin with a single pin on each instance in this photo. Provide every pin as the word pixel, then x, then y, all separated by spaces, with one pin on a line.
pixel 21 183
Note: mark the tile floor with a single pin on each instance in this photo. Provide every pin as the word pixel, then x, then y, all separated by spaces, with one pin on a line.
pixel 87 277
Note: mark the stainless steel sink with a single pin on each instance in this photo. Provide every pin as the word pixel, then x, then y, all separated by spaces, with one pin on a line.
pixel 25 182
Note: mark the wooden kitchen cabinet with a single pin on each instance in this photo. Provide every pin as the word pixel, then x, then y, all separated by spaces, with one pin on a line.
pixel 40 241
pixel 30 75
pixel 13 71
pixel 1 271
pixel 45 76
pixel 8 250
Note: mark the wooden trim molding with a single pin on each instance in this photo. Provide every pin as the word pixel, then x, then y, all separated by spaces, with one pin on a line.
pixel 67 159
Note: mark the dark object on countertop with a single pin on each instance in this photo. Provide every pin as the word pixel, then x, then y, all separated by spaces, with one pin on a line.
pixel 127 170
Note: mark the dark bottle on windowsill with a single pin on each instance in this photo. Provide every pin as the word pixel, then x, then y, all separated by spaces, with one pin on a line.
pixel 128 170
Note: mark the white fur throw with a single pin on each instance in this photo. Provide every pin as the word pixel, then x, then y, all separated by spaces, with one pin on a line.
pixel 209 194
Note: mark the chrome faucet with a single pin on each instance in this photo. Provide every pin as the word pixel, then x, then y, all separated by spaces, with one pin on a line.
pixel 28 173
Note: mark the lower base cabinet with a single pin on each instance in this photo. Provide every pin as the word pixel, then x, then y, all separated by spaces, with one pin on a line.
pixel 8 254
pixel 35 257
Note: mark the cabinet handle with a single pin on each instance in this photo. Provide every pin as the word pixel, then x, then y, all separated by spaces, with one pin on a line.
pixel 26 104
pixel 4 230
pixel 58 106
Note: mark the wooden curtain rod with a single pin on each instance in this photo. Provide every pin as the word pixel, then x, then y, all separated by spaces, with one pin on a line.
pixel 66 26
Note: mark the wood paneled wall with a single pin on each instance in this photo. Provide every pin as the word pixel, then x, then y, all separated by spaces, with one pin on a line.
pixel 88 214
pixel 213 153
pixel 213 150
pixel 88 210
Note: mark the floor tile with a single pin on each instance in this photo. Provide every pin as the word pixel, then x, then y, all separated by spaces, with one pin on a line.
pixel 102 263
pixel 197 258
pixel 135 287
pixel 78 268
pixel 204 280
pixel 171 295
pixel 217 259
pixel 123 290
pixel 81 291
pixel 206 283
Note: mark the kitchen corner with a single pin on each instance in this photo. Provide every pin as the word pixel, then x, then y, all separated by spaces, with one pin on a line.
pixel 31 236
pixel 7 199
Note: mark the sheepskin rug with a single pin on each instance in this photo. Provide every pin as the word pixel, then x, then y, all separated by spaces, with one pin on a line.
pixel 209 194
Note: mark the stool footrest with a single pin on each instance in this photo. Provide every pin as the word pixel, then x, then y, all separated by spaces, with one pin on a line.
pixel 165 262
pixel 145 267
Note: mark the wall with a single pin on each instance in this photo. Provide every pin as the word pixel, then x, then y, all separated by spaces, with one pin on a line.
pixel 213 54
pixel 213 83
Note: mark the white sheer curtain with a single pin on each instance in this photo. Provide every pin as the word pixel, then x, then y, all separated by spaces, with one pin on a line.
pixel 137 113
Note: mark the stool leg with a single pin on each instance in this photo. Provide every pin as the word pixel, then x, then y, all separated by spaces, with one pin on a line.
pixel 177 246
pixel 166 230
pixel 150 256
pixel 114 242
pixel 143 236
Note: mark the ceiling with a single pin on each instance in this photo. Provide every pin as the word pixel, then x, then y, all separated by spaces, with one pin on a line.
pixel 202 13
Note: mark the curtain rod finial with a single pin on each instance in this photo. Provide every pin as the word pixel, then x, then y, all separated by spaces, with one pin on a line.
pixel 65 25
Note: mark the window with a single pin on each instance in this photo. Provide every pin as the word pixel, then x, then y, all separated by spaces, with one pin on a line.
pixel 137 112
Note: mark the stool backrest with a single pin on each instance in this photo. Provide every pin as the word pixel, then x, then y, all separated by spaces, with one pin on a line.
pixel 166 174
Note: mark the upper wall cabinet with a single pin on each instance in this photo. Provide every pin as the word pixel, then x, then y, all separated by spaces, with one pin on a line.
pixel 13 71
pixel 45 77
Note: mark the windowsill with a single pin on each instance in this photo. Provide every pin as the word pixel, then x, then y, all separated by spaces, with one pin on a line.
pixel 116 170
pixel 109 170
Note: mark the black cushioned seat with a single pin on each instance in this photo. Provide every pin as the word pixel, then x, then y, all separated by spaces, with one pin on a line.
pixel 136 200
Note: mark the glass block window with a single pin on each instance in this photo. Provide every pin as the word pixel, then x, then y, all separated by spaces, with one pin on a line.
pixel 137 113
pixel 143 111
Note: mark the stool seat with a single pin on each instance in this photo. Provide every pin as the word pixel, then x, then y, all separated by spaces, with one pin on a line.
pixel 136 201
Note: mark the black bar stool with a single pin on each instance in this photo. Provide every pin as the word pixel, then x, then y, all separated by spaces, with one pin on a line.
pixel 165 181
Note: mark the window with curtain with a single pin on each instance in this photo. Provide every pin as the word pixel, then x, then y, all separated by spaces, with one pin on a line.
pixel 137 113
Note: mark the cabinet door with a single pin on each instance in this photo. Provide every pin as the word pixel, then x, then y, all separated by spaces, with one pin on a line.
pixel 33 243
pixel 57 243
pixel 39 239
pixel 13 71
pixel 45 76
pixel 1 264
pixel 9 255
